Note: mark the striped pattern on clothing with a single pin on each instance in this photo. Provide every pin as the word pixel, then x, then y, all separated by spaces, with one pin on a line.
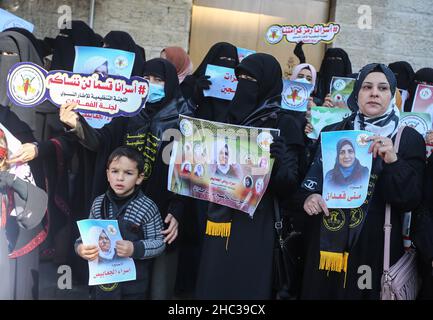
pixel 143 212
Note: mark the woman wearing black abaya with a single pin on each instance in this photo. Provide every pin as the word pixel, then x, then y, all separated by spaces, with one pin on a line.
pixel 144 132
pixel 123 41
pixel 336 63
pixel 80 34
pixel 403 72
pixel 236 262
pixel 209 108
pixel 355 237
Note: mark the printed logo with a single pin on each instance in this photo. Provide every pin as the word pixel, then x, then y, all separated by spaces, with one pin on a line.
pixel 27 85
pixel 361 139
pixel 264 140
pixel 335 221
pixel 356 216
pixel 294 95
pixel 111 230
pixel 310 184
pixel 425 93
pixel 413 121
pixel 121 62
pixel 186 127
pixel 274 34
pixel 339 84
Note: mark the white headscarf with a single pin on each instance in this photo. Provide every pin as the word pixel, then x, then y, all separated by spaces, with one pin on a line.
pixel 94 233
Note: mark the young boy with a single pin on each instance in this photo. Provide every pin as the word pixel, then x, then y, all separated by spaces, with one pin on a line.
pixel 139 221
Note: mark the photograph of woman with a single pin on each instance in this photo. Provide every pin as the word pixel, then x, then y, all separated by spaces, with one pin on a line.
pixel 347 170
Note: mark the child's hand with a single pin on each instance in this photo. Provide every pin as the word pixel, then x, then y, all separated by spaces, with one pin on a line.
pixel 89 253
pixel 124 248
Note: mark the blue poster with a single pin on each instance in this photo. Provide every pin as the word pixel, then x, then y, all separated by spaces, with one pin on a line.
pixel 346 168
pixel 295 95
pixel 103 60
pixel 242 53
pixel 108 267
pixel 9 20
pixel 224 82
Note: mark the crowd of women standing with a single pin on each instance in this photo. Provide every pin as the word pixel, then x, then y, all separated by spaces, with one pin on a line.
pixel 70 166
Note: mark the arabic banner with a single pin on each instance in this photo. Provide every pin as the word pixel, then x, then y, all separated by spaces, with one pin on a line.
pixel 103 60
pixel 9 20
pixel 295 95
pixel 243 53
pixel 108 267
pixel 29 85
pixel 324 116
pixel 340 90
pixel 221 163
pixel 423 101
pixel 224 82
pixel 346 168
pixel 311 34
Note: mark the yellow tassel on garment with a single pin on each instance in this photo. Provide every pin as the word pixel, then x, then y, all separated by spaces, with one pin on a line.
pixel 218 229
pixel 331 261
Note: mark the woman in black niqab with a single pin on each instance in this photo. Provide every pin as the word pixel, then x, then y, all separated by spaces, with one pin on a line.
pixel 123 41
pixel 221 54
pixel 336 63
pixel 80 34
pixel 422 76
pixel 250 94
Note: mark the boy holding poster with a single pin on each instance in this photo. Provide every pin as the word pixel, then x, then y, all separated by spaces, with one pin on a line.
pixel 139 221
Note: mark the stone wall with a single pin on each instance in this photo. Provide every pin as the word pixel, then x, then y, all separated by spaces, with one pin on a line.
pixel 400 30
pixel 154 24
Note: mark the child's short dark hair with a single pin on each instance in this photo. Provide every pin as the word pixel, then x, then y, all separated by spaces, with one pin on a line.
pixel 130 153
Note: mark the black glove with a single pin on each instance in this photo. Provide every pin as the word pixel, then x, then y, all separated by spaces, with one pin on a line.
pixel 201 83
pixel 6 180
pixel 279 150
pixel 299 52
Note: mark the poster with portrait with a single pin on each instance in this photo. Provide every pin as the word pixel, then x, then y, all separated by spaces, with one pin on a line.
pixel 423 101
pixel 225 164
pixel 346 168
pixel 324 116
pixel 295 95
pixel 105 61
pixel 340 90
pixel 108 267
pixel 224 82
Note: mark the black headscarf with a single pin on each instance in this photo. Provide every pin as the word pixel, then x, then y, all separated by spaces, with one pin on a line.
pixel 352 101
pixel 210 108
pixel 336 62
pixel 80 34
pixel 41 47
pixel 123 41
pixel 424 75
pixel 249 94
pixel 165 70
pixel 218 50
pixel 403 72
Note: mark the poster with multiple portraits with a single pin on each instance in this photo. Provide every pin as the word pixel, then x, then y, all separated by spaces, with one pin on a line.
pixel 108 267
pixel 225 164
pixel 346 168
